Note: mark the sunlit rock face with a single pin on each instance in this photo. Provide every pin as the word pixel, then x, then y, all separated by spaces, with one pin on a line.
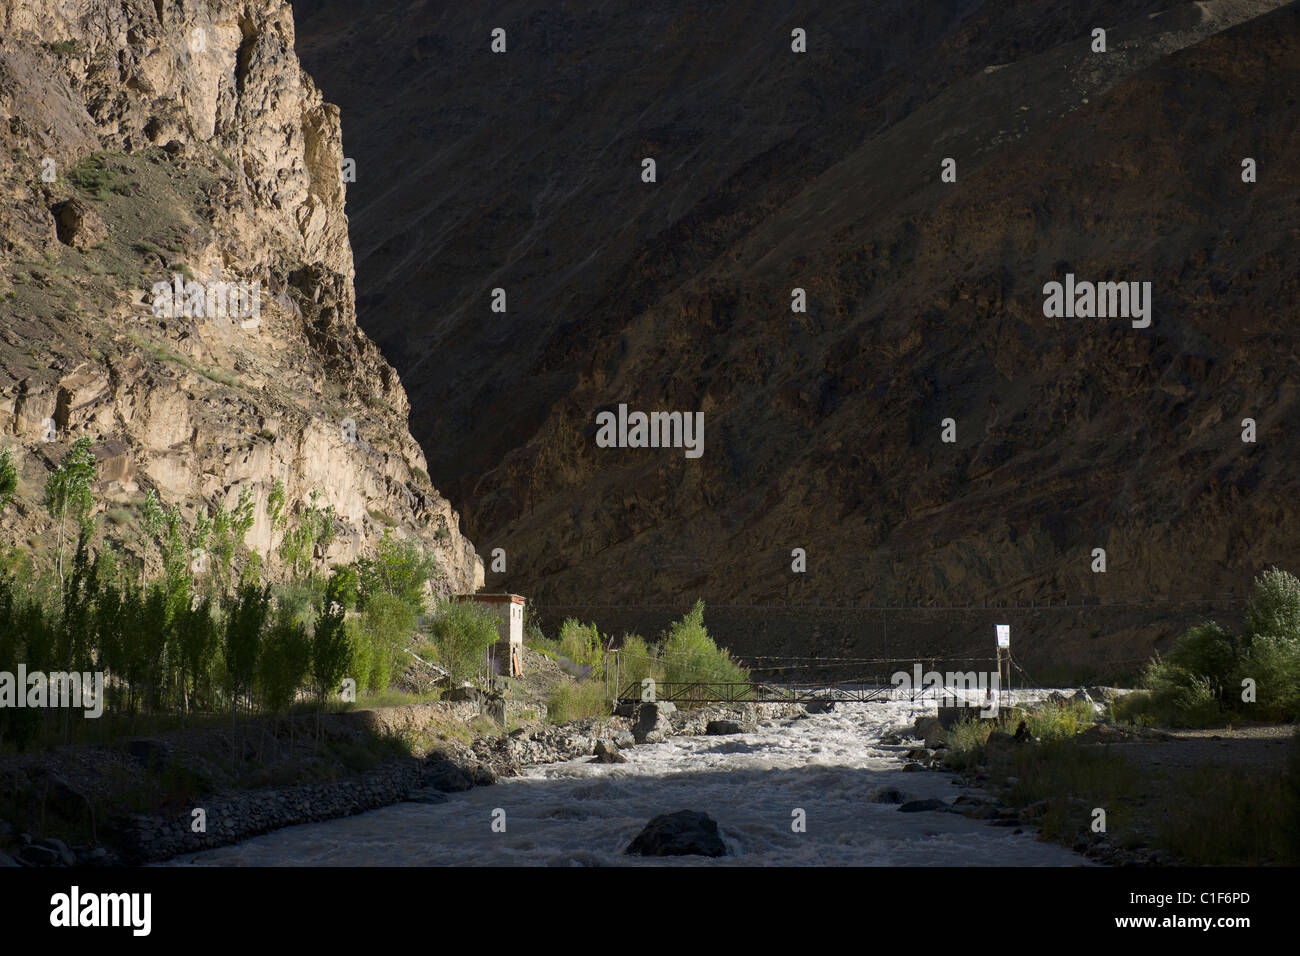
pixel 152 144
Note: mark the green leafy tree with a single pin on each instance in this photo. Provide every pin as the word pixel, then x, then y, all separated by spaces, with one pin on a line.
pixel 315 528
pixel 285 662
pixel 689 654
pixel 275 505
pixel 1275 606
pixel 228 531
pixel 245 623
pixel 68 492
pixel 332 647
pixel 8 478
pixel 361 654
pixel 462 632
pixel 198 639
pixel 400 568
pixel 389 622
pixel 166 529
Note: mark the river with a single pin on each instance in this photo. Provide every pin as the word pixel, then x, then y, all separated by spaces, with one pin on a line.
pixel 580 813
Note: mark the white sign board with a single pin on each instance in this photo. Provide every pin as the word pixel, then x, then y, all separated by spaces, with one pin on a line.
pixel 1004 635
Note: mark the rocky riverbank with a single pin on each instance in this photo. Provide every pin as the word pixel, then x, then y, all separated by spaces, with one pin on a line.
pixel 990 796
pixel 450 749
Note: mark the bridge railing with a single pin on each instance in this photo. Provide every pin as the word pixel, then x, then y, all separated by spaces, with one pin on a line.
pixel 735 692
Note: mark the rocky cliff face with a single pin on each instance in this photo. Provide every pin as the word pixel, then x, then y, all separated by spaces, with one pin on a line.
pixel 822 172
pixel 146 141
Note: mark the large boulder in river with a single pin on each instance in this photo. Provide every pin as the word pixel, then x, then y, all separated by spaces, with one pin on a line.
pixel 950 717
pixel 607 752
pixel 653 725
pixel 722 728
pixel 684 833
pixel 930 730
pixel 821 704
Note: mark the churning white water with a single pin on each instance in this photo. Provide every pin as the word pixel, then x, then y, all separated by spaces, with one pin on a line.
pixel 581 813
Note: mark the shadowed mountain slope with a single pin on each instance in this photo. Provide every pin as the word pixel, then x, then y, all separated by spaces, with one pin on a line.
pixel 925 299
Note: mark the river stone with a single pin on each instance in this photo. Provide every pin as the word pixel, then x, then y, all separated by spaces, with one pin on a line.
pixel 653 725
pixel 66 856
pixel 65 799
pixel 918 806
pixel 950 717
pixel 624 739
pixel 720 728
pixel 684 833
pixel 38 855
pixel 607 752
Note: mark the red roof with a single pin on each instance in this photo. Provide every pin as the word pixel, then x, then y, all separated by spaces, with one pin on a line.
pixel 516 598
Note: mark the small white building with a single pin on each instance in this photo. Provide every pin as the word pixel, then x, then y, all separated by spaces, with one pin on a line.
pixel 509 610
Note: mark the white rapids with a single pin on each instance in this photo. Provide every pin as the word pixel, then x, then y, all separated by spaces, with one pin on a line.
pixel 580 813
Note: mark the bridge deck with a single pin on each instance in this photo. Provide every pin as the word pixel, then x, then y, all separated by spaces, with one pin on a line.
pixel 706 692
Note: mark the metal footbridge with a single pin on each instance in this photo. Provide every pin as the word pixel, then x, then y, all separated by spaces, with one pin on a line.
pixel 714 692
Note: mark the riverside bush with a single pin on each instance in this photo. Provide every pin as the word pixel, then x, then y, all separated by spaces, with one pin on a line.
pixel 1202 678
pixel 689 654
pixel 463 631
pixel 389 621
pixel 1275 606
pixel 637 660
pixel 1273 662
pixel 586 698
pixel 580 644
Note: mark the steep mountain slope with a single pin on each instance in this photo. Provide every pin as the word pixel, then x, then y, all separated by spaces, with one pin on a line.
pixel 149 140
pixel 822 430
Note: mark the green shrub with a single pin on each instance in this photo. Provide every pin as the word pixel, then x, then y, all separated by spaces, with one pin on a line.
pixel 1207 650
pixel 1273 663
pixel 463 631
pixel 580 643
pixel 574 701
pixel 8 478
pixel 389 621
pixel 1053 720
pixel 1275 606
pixel 93 176
pixel 361 654
pixel 689 654
pixel 1180 698
pixel 1134 708
pixel 637 660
